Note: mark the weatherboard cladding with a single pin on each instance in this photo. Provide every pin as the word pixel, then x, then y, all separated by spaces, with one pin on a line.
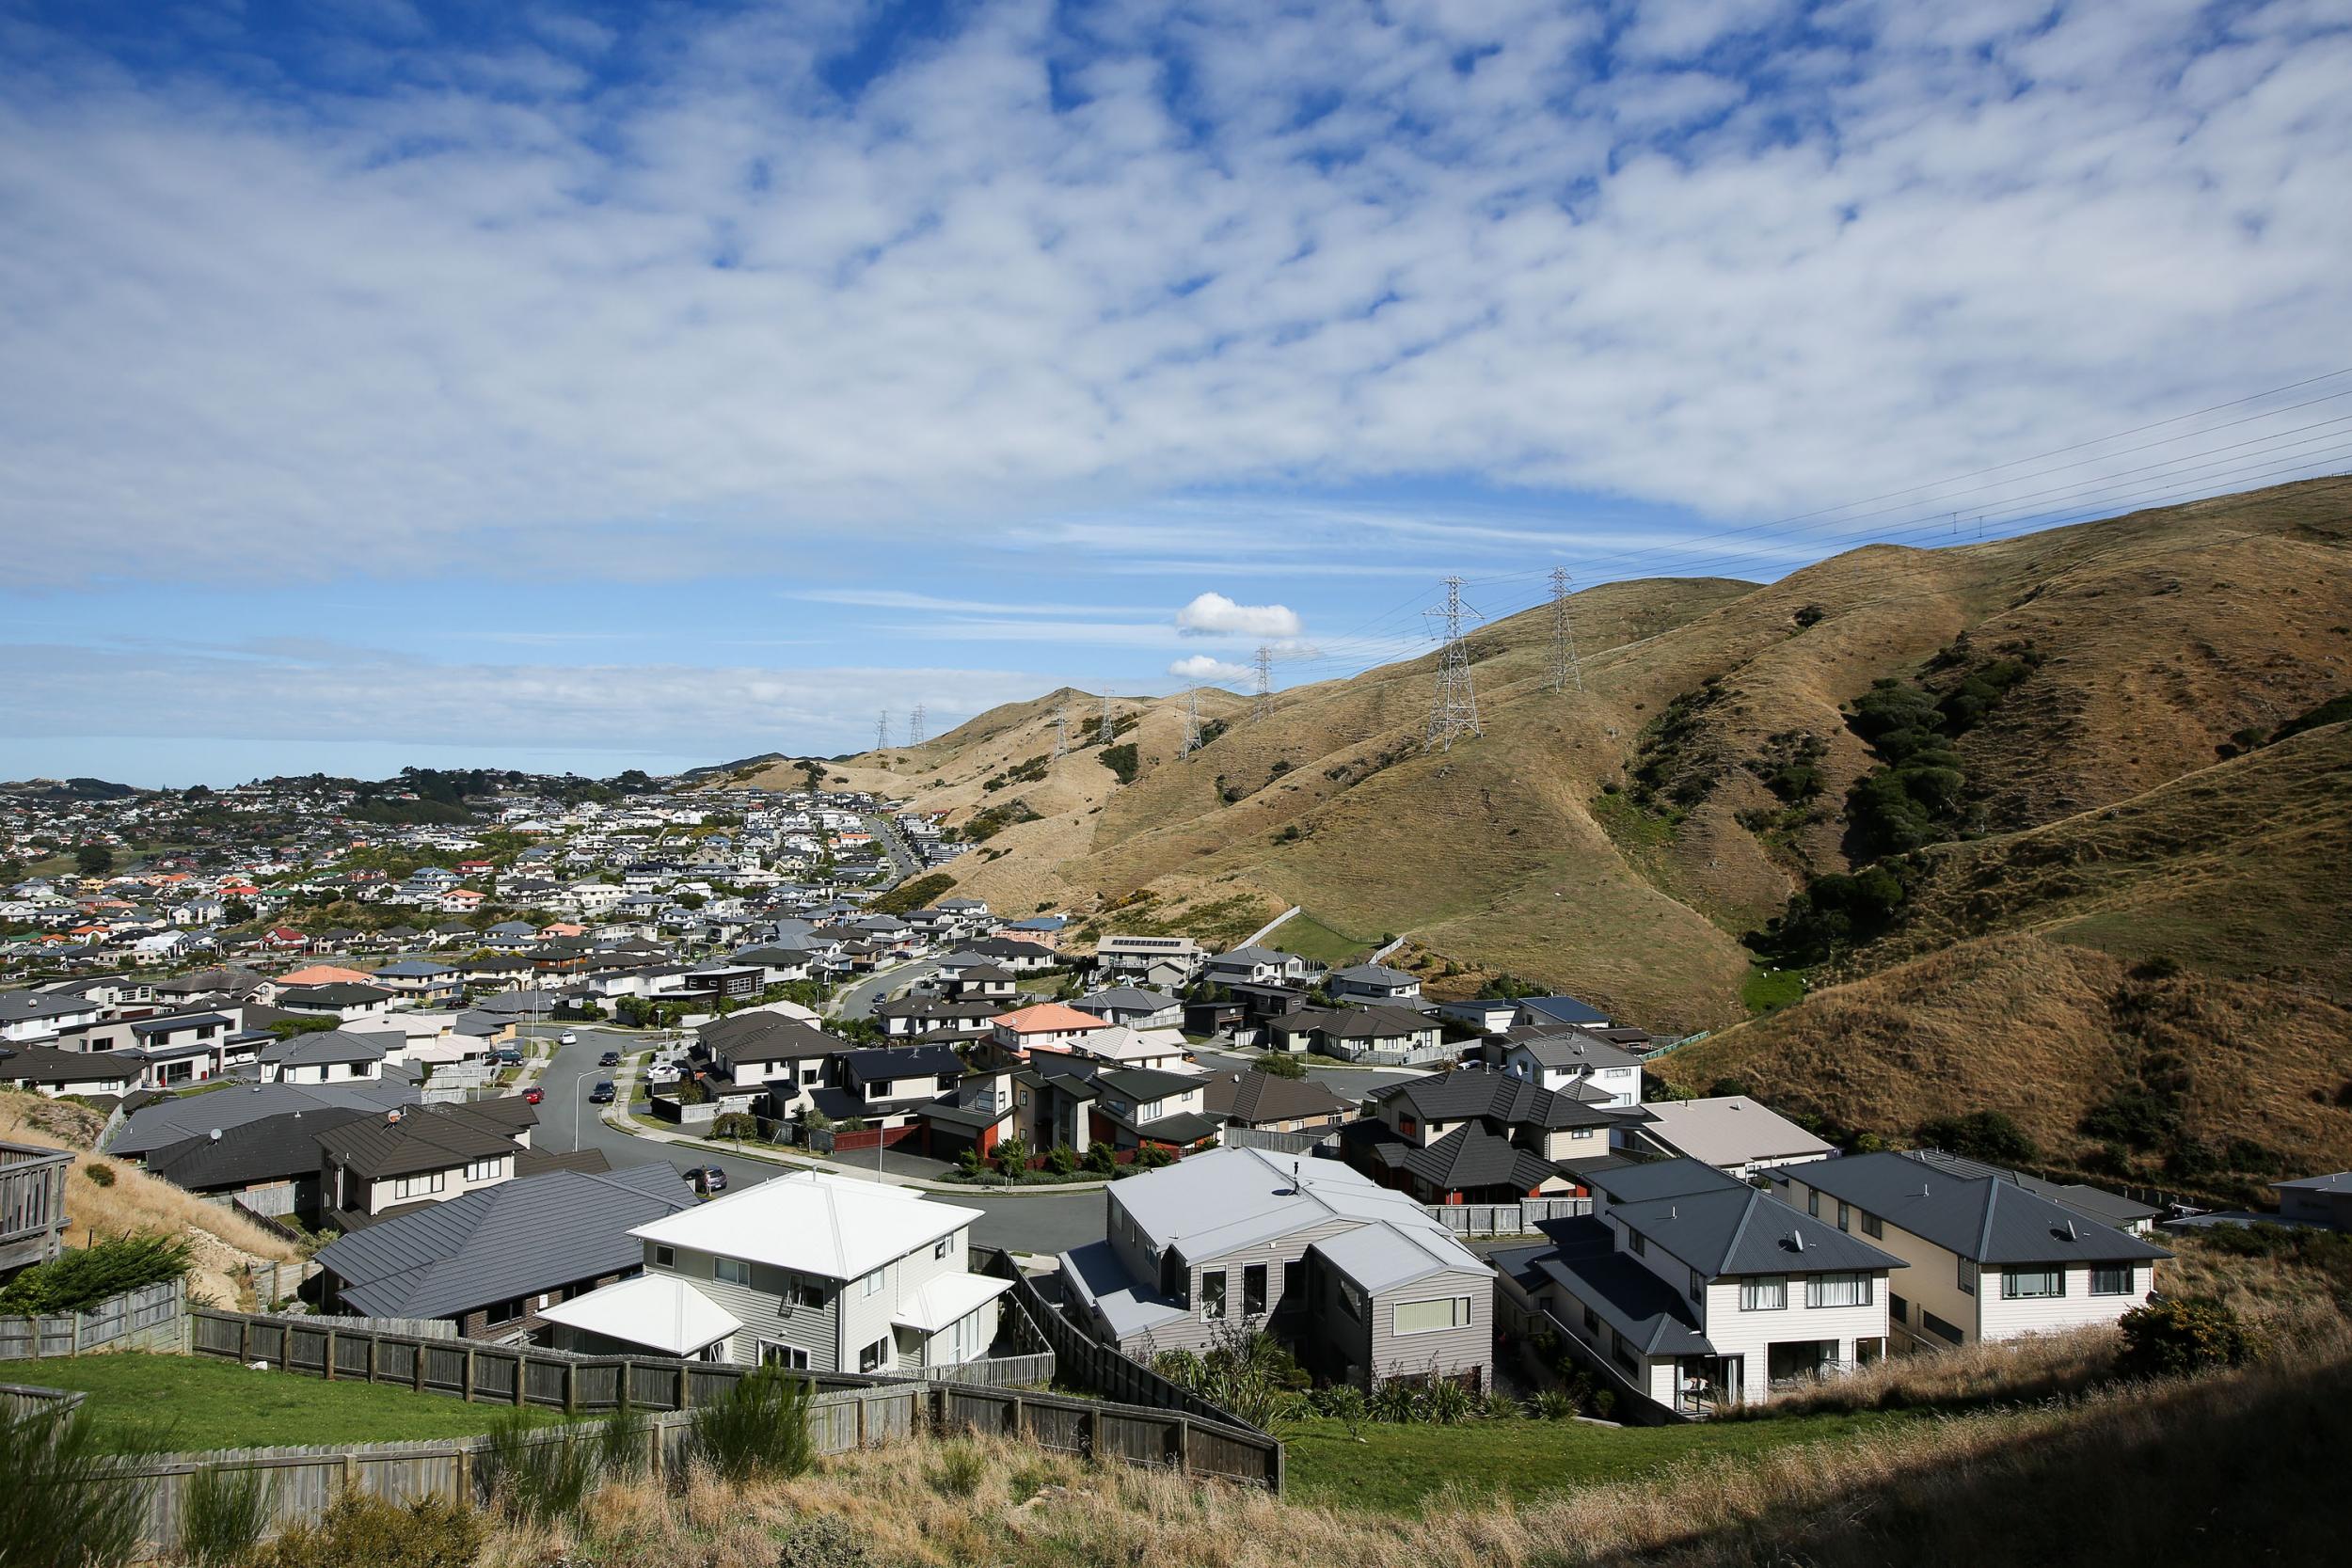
pixel 513 1240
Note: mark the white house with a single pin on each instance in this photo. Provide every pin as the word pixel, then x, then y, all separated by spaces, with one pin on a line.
pixel 809 1270
pixel 1988 1258
pixel 1558 1059
pixel 1373 983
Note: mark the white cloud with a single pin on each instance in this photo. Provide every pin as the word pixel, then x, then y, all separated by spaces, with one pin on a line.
pixel 1215 615
pixel 1202 667
pixel 507 314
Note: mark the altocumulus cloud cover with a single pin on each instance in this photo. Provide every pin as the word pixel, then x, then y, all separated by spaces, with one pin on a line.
pixel 1085 322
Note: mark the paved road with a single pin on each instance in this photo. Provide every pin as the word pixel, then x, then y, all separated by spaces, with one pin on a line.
pixel 902 862
pixel 1025 1222
pixel 860 1000
pixel 1352 1083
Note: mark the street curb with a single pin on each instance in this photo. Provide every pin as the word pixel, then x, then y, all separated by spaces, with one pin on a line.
pixel 680 1140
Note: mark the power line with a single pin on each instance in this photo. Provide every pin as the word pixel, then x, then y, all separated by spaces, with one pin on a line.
pixel 1062 730
pixel 1564 667
pixel 1103 733
pixel 881 731
pixel 1191 742
pixel 1454 708
pixel 1263 706
pixel 914 726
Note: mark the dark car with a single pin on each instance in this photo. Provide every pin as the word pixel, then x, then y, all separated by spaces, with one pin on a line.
pixel 611 1058
pixel 707 1180
pixel 507 1058
pixel 602 1093
pixel 533 1095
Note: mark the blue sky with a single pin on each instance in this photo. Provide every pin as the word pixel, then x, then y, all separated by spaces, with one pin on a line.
pixel 606 386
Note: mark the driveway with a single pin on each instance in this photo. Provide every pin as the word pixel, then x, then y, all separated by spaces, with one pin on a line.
pixel 1022 1223
pixel 861 999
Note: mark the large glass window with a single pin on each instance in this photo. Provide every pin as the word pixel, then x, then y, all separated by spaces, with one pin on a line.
pixel 1837 1289
pixel 1253 1290
pixel 1871 1225
pixel 730 1271
pixel 1352 1298
pixel 1212 1293
pixel 1764 1293
pixel 2032 1284
pixel 1431 1316
pixel 1813 1202
pixel 1968 1276
pixel 1845 1216
pixel 2115 1281
pixel 1697 1287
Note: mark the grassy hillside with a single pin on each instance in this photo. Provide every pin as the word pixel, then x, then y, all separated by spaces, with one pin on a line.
pixel 1619 841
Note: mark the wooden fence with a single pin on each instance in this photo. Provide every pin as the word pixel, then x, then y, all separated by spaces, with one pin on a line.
pixel 1083 1360
pixel 148 1318
pixel 32 1203
pixel 1506 1219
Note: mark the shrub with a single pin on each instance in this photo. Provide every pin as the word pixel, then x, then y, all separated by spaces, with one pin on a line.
pixel 959 1470
pixel 1394 1401
pixel 223 1515
pixel 359 1531
pixel 84 1278
pixel 1991 1135
pixel 1121 760
pixel 1063 1161
pixel 1447 1402
pixel 1603 1403
pixel 760 1428
pixel 1555 1404
pixel 1101 1158
pixel 100 1173
pixel 819 1540
pixel 59 1504
pixel 620 1444
pixel 2182 1334
pixel 1012 1157
pixel 1282 1064
pixel 1500 1406
pixel 736 1124
pixel 536 1476
pixel 1344 1402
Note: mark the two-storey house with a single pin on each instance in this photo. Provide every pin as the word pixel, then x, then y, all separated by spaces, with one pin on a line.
pixel 1478 1136
pixel 1556 1057
pixel 1369 983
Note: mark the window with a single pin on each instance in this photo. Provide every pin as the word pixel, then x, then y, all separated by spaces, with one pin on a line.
pixel 484 1170
pixel 1844 1214
pixel 1212 1294
pixel 1941 1330
pixel 1697 1287
pixel 2032 1284
pixel 505 1311
pixel 873 1282
pixel 773 1354
pixel 939 1252
pixel 1837 1289
pixel 664 1258
pixel 1871 1225
pixel 1765 1292
pixel 420 1186
pixel 1639 1243
pixel 1968 1276
pixel 874 1356
pixel 2114 1281
pixel 1580 1133
pixel 1294 1281
pixel 1431 1316
pixel 1253 1282
pixel 1898 1308
pixel 1352 1298
pixel 730 1271
pixel 1592 1320
pixel 1813 1202
pixel 800 1292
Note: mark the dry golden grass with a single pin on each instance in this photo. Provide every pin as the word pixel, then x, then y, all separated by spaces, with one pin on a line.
pixel 222 1241
pixel 2093 1479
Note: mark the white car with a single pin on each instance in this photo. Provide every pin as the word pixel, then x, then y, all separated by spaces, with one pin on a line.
pixel 567 1037
pixel 661 1075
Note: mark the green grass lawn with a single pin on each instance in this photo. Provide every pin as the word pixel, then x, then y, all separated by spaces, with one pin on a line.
pixel 1768 991
pixel 177 1403
pixel 1309 938
pixel 1396 1466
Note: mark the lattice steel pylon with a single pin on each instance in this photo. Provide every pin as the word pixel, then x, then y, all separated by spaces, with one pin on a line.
pixel 1565 671
pixel 914 726
pixel 1265 663
pixel 1061 731
pixel 1453 711
pixel 1191 742
pixel 881 731
pixel 1104 732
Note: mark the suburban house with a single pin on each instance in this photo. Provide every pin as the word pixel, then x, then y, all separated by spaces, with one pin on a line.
pixel 808 1271
pixel 1699 1291
pixel 1476 1137
pixel 1134 1006
pixel 271 1167
pixel 1557 1058
pixel 1077 1101
pixel 341 1000
pixel 786 1055
pixel 420 980
pixel 917 1017
pixel 2325 1202
pixel 164 1122
pixel 1395 1035
pixel 977 979
pixel 1271 1104
pixel 1372 982
pixel 2126 1214
pixel 886 1085
pixel 1166 1050
pixel 1046 1026
pixel 427 1155
pixel 1166 962
pixel 34 1015
pixel 328 1056
pixel 1257 966
pixel 495 1261
pixel 1361 1280
pixel 1733 1134
pixel 46 1070
pixel 1988 1258
pixel 1542 1012
pixel 1021 957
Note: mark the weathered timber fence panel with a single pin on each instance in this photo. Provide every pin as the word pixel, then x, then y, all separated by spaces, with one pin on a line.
pixel 1506 1219
pixel 150 1318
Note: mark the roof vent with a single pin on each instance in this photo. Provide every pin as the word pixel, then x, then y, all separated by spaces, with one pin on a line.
pixel 216 1134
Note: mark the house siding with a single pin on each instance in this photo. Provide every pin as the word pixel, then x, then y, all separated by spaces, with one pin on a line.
pixel 1445 1353
pixel 759 1307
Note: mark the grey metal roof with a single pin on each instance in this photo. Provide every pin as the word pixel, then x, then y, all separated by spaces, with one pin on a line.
pixel 1983 1219
pixel 2338 1181
pixel 273 1148
pixel 1254 1097
pixel 1722 1227
pixel 170 1121
pixel 1496 1096
pixel 1126 999
pixel 1566 1046
pixel 1655 1318
pixel 418 1140
pixel 2092 1202
pixel 1375 975
pixel 322 1048
pixel 920 1061
pixel 1562 1009
pixel 502 1241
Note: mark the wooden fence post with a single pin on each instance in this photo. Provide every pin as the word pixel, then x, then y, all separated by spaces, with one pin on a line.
pixel 465 1473
pixel 244 1340
pixel 375 1343
pixel 1183 1445
pixel 423 1351
pixel 330 1356
pixel 467 1386
pixel 685 1388
pixel 571 1387
pixel 522 1376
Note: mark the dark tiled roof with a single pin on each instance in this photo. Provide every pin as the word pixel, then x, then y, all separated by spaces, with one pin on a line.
pixel 920 1061
pixel 420 1140
pixel 1251 1098
pixel 1470 1157
pixel 1496 1096
pixel 1655 1318
pixel 767 1037
pixel 272 1149
pixel 1721 1225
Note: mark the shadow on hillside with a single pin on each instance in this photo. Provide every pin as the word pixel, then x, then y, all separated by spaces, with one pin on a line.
pixel 2230 1471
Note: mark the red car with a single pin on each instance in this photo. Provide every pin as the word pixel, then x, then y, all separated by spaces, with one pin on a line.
pixel 532 1096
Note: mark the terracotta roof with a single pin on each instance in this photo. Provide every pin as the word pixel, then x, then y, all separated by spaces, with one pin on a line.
pixel 1049 1018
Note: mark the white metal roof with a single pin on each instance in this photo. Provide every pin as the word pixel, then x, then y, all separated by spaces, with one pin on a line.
pixel 813 1221
pixel 950 1298
pixel 657 1310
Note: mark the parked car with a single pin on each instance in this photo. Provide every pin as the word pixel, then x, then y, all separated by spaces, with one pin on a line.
pixel 602 1093
pixel 567 1037
pixel 611 1058
pixel 534 1094
pixel 707 1180
pixel 662 1075
pixel 507 1058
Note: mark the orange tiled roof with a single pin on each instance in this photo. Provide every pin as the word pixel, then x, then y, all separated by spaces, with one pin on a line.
pixel 1049 1018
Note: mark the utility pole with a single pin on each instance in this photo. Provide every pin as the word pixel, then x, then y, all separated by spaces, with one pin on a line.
pixel 1062 730
pixel 1264 703
pixel 881 731
pixel 1453 711
pixel 914 726
pixel 1564 668
pixel 1104 733
pixel 1191 742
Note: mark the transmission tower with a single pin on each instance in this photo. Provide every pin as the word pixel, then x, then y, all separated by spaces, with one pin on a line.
pixel 914 726
pixel 1264 703
pixel 881 731
pixel 1564 668
pixel 1454 712
pixel 1061 731
pixel 1191 742
pixel 1103 733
